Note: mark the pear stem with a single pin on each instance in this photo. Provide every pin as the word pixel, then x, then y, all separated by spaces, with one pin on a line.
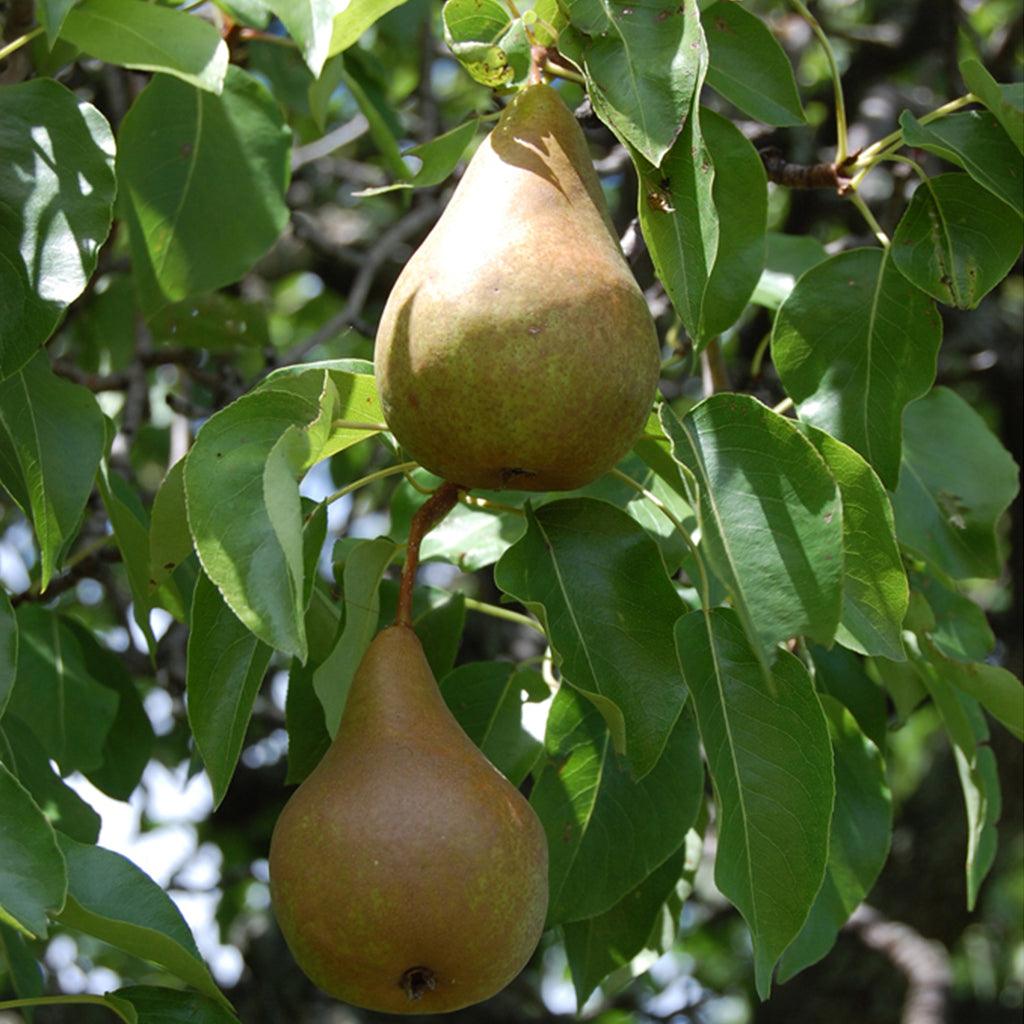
pixel 429 514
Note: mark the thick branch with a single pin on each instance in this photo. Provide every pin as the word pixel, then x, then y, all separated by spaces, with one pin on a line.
pixel 823 175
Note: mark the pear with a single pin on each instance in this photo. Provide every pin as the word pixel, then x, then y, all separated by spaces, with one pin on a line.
pixel 516 349
pixel 406 873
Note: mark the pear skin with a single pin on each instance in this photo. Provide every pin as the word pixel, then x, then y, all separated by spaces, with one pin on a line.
pixel 516 349
pixel 406 873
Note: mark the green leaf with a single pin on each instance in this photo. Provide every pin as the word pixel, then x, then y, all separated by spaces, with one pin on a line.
pixel 486 698
pixel 355 19
pixel 62 807
pixel 770 516
pixel 956 241
pixel 55 432
pixel 51 15
pixel 437 157
pixel 128 743
pixel 599 945
pixel 129 523
pixel 56 696
pixel 33 880
pixel 24 973
pixel 189 159
pixel 362 574
pixel 841 674
pixel 859 842
pixel 760 733
pixel 1005 101
pixel 226 665
pixel 955 483
pixel 1000 692
pixel 749 67
pixel 146 37
pixel 976 141
pixel 607 831
pixel 644 63
pixel 958 627
pixel 489 44
pixel 8 649
pixel 112 899
pixel 875 589
pixel 786 258
pixel 216 322
pixel 170 542
pixel 310 23
pixel 440 631
pixel 611 634
pixel 378 114
pixel 56 197
pixel 169 1006
pixel 853 344
pixel 243 504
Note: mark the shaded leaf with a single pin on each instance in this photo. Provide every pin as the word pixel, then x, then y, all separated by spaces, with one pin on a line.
pixel 955 482
pixel 168 1006
pixel 226 665
pixel 956 241
pixel 437 157
pixel 608 620
pixel 8 649
pixel 786 258
pixel 841 674
pixel 175 144
pixel 147 37
pixel 854 343
pixel 760 734
pixel 770 515
pixel 112 899
pixel 170 542
pixel 749 67
pixel 33 879
pixel 606 831
pixel 957 627
pixel 55 433
pixel 1005 101
pixel 57 195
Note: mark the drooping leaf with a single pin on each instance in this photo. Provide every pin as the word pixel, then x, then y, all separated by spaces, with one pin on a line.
pixel 958 627
pixel 997 690
pixel 841 674
pixel 226 665
pixel 148 37
pixel 749 67
pixel 859 842
pixel 115 901
pixel 62 807
pixel 354 19
pixel 57 195
pixel 875 589
pixel 1005 101
pixel 51 15
pixel 643 63
pixel 189 159
pixel 311 24
pixel 8 649
pixel 169 1006
pixel 128 743
pixel 56 696
pixel 597 946
pixel 486 698
pixel 33 880
pixel 976 141
pixel 170 542
pixel 437 157
pixel 606 831
pixel 24 972
pixel 854 343
pixel 55 433
pixel 759 733
pixel 956 241
pixel 955 483
pixel 770 515
pixel 362 574
pixel 608 620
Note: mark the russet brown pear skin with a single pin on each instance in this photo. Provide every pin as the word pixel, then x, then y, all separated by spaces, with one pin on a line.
pixel 516 349
pixel 406 873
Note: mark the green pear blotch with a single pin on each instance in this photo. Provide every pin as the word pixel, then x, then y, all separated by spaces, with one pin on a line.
pixel 516 349
pixel 406 873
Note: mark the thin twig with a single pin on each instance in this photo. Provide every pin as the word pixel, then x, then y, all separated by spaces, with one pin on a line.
pixel 429 514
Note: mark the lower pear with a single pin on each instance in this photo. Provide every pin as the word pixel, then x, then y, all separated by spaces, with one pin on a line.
pixel 407 874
